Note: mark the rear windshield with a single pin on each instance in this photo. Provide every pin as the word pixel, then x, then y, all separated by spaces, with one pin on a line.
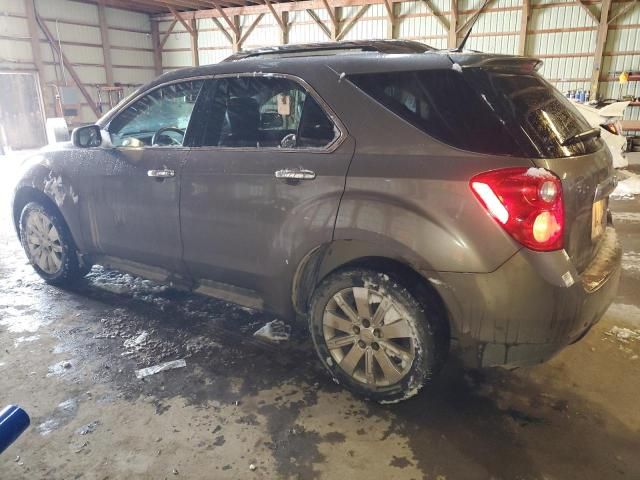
pixel 483 111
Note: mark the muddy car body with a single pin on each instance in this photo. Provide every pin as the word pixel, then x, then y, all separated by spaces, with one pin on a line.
pixel 368 207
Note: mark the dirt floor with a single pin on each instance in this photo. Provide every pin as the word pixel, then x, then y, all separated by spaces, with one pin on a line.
pixel 69 358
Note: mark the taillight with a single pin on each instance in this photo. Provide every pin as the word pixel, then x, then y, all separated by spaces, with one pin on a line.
pixel 526 202
pixel 610 127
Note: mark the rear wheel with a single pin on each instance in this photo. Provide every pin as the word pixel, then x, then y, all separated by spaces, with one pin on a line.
pixel 48 244
pixel 373 336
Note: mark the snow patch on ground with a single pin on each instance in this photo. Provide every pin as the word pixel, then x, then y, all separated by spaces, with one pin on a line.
pixel 631 262
pixel 274 331
pixel 631 217
pixel 624 335
pixel 145 372
pixel 627 188
pixel 628 313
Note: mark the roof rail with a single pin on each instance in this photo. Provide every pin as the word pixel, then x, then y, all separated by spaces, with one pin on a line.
pixel 333 48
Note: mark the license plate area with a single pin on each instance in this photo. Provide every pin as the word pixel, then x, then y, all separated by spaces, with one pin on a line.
pixel 598 218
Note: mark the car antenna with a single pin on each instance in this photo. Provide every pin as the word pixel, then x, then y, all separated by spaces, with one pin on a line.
pixel 473 23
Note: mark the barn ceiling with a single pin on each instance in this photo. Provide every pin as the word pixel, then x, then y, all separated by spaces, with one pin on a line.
pixel 165 6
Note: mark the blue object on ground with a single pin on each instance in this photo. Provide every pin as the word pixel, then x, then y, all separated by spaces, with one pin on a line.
pixel 13 421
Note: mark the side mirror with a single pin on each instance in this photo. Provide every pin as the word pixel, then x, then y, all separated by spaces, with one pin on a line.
pixel 87 137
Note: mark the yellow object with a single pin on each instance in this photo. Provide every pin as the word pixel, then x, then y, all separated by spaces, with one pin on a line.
pixel 624 77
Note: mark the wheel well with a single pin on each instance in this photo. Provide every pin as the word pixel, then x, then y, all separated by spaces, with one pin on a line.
pixel 313 274
pixel 24 196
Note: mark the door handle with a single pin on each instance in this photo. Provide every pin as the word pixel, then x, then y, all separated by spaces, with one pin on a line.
pixel 295 174
pixel 166 173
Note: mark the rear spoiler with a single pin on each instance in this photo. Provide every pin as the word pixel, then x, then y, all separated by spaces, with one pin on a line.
pixel 502 62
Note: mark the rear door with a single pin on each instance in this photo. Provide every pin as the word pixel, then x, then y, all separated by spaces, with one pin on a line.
pixel 262 186
pixel 131 191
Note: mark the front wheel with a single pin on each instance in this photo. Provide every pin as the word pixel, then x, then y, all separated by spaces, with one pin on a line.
pixel 373 335
pixel 48 244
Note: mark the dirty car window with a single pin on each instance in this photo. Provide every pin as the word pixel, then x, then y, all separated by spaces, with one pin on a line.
pixel 158 119
pixel 263 112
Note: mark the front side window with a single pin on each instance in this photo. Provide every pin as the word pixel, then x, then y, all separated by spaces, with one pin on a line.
pixel 159 119
pixel 263 112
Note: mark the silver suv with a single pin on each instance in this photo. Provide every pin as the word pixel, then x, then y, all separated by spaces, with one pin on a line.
pixel 406 201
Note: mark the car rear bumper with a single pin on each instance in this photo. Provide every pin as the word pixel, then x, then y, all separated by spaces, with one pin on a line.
pixel 531 307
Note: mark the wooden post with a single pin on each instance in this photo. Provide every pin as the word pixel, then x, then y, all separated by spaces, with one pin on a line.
pixel 106 43
pixel 601 40
pixel 453 25
pixel 524 22
pixel 157 47
pixel 284 31
pixel 35 45
pixel 195 57
pixel 237 46
pixel 391 19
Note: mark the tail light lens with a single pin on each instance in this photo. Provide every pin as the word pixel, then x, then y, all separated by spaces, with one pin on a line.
pixel 527 203
pixel 611 128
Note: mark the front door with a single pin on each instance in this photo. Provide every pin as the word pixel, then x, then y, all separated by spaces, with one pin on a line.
pixel 132 190
pixel 261 186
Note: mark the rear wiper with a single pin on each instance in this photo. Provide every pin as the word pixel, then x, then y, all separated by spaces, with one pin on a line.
pixel 578 137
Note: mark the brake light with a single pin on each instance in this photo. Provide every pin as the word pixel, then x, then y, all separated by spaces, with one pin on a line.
pixel 610 127
pixel 526 202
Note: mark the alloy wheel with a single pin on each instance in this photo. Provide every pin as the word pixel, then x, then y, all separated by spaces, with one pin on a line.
pixel 369 336
pixel 43 243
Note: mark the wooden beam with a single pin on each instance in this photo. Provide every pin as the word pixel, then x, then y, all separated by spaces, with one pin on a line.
pixel 284 33
pixel 231 24
pixel 524 22
pixel 106 43
pixel 67 65
pixel 319 22
pixel 222 29
pixel 452 39
pixel 437 13
pixel 34 39
pixel 236 46
pixel 334 18
pixel 169 32
pixel 195 56
pixel 623 11
pixel 275 15
pixel 352 21
pixel 250 29
pixel 391 19
pixel 181 20
pixel 588 10
pixel 157 49
pixel 601 40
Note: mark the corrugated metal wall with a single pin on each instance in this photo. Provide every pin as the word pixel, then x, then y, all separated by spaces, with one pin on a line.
pixel 562 33
pixel 77 27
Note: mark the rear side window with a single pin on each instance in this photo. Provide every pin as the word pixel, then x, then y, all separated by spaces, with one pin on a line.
pixel 483 110
pixel 442 104
pixel 262 112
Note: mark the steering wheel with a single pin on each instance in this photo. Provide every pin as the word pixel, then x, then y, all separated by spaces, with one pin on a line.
pixel 160 131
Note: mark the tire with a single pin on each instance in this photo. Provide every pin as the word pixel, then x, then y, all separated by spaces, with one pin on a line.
pixel 58 265
pixel 372 344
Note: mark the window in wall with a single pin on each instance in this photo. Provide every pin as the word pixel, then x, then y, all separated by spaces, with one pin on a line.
pixel 159 119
